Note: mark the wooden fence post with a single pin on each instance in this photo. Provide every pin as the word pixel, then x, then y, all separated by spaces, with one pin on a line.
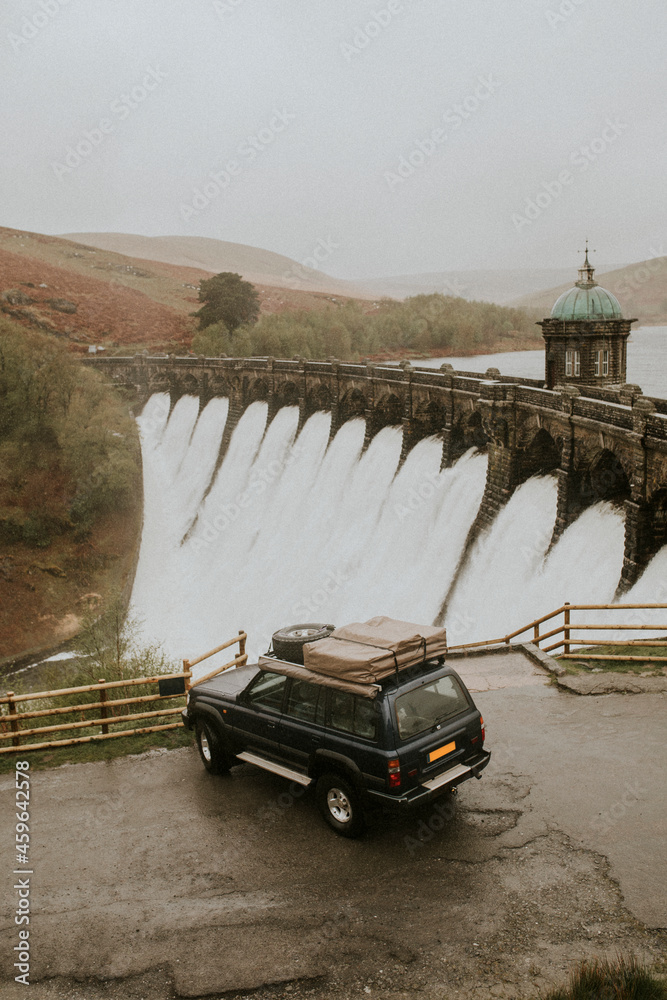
pixel 241 643
pixel 11 705
pixel 566 630
pixel 187 670
pixel 103 708
pixel 536 634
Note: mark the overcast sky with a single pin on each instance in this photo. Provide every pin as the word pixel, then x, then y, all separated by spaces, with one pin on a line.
pixel 402 135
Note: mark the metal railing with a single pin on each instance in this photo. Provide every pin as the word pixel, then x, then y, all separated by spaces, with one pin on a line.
pixel 105 710
pixel 568 630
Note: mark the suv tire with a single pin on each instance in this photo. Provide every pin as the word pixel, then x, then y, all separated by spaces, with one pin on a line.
pixel 288 642
pixel 340 805
pixel 211 750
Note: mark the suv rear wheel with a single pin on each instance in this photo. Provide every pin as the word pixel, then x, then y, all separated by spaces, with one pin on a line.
pixel 340 805
pixel 288 642
pixel 211 751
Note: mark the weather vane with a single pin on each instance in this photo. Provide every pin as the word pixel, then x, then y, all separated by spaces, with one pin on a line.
pixel 586 251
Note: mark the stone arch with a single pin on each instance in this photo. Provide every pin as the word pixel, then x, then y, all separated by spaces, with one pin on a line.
pixel 188 385
pixel 218 386
pixel 287 393
pixel 387 412
pixel 353 404
pixel 468 432
pixel 658 517
pixel 540 456
pixel 258 391
pixel 603 478
pixel 430 417
pixel 159 382
pixel 319 398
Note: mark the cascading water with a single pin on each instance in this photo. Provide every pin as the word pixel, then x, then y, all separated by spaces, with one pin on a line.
pixel 297 528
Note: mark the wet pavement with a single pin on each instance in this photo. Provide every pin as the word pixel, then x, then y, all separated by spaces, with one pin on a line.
pixel 154 879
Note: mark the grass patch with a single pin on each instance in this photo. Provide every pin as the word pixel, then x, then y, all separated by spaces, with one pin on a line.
pixel 621 979
pixel 85 753
pixel 617 666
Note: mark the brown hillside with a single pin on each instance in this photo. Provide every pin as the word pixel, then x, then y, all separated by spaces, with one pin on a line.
pixel 119 300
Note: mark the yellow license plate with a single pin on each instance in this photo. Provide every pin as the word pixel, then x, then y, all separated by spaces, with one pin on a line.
pixel 441 752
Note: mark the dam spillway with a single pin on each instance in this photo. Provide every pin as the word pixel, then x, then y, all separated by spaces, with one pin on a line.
pixel 298 525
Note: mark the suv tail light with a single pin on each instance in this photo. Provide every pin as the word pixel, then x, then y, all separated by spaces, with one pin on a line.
pixel 394 773
pixel 481 722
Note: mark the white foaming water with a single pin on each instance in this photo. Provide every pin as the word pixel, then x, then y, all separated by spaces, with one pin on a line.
pixel 509 580
pixel 299 529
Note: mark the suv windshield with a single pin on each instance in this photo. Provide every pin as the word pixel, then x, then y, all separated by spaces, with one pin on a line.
pixel 423 708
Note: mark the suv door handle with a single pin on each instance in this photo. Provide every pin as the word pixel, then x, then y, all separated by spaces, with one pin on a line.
pixel 316 739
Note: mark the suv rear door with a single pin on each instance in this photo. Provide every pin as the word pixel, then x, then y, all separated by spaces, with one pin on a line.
pixel 302 722
pixel 437 726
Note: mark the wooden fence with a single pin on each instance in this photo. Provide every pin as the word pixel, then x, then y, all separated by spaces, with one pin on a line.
pixel 168 687
pixel 568 631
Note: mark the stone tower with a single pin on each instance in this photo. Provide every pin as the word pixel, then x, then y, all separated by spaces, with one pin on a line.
pixel 586 335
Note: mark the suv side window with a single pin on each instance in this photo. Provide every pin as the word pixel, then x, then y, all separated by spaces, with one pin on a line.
pixel 353 714
pixel 305 702
pixel 267 691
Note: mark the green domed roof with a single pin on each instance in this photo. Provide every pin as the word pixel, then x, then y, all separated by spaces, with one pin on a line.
pixel 586 301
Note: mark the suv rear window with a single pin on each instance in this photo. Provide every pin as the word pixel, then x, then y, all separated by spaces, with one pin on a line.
pixel 353 714
pixel 421 709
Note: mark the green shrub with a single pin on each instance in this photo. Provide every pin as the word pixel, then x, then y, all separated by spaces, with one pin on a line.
pixel 69 451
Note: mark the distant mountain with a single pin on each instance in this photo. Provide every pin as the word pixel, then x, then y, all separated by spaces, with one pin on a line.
pixel 501 286
pixel 640 288
pixel 259 266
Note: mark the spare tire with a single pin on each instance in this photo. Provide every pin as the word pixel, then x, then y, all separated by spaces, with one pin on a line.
pixel 288 642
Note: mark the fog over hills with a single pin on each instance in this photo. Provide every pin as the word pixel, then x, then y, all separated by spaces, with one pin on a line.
pixel 266 267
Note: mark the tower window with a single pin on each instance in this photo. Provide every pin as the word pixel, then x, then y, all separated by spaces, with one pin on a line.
pixel 601 363
pixel 572 363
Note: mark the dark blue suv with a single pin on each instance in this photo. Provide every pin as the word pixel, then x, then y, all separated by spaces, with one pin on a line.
pixel 419 737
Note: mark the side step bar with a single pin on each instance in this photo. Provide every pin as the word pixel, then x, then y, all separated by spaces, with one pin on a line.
pixel 270 765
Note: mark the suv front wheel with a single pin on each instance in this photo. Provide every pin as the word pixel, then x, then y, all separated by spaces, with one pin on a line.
pixel 340 805
pixel 211 751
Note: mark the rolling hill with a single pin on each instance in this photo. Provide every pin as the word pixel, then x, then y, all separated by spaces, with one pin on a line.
pixel 261 267
pixel 88 295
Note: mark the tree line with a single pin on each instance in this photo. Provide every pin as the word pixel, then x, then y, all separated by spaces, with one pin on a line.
pixel 230 323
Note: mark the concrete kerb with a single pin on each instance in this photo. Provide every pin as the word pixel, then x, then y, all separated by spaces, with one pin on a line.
pixel 607 682
pixel 528 648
